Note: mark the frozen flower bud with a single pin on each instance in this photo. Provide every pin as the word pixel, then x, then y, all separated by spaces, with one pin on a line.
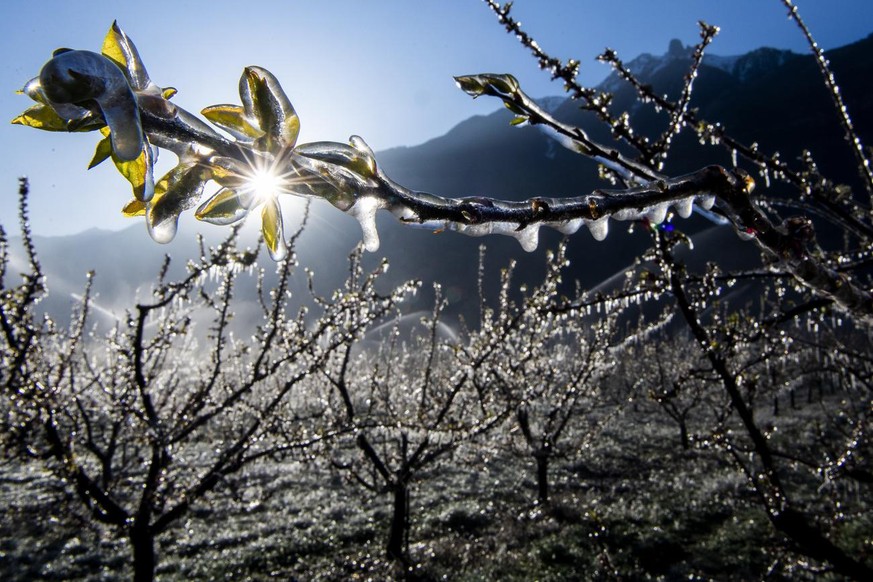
pixel 88 79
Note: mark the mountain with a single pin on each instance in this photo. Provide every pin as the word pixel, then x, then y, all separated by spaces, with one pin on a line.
pixel 774 98
pixel 771 97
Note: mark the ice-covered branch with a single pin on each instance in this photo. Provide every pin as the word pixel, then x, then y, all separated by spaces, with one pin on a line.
pixel 559 70
pixel 111 92
pixel 678 115
pixel 574 138
pixel 851 136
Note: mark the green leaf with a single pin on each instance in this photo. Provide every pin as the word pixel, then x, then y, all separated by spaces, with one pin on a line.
pixel 42 117
pixel 225 207
pixel 135 208
pixel 357 158
pixel 118 47
pixel 112 46
pixel 139 172
pixel 315 187
pixel 488 84
pixel 229 172
pixel 471 85
pixel 232 118
pixel 271 227
pixel 103 151
pixel 178 191
pixel 359 144
pixel 515 108
pixel 506 84
pixel 265 102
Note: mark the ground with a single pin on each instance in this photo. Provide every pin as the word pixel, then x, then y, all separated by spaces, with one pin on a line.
pixel 631 504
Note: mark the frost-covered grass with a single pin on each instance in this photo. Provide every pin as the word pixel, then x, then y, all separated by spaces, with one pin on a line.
pixel 632 504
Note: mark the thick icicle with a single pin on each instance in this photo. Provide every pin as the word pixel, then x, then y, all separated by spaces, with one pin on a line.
pixel 599 228
pixel 684 207
pixel 364 210
pixel 657 214
pixel 528 237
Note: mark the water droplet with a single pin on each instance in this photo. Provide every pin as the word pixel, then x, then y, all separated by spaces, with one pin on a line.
pixel 162 232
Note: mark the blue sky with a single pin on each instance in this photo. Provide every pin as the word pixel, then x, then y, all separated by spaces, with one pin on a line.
pixel 378 68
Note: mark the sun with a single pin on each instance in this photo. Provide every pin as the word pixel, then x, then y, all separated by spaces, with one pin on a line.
pixel 265 184
pixel 262 179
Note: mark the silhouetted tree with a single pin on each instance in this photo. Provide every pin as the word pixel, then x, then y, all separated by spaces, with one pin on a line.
pixel 549 359
pixel 405 403
pixel 143 423
pixel 739 347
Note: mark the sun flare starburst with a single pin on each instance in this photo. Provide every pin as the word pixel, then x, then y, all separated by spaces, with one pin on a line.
pixel 265 184
pixel 265 181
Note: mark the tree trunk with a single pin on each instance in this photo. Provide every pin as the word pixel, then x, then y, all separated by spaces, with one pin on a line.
pixel 399 523
pixel 542 477
pixel 144 559
pixel 683 434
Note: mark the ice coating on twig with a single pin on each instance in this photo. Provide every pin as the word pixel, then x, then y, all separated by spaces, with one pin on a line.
pixel 79 76
pixel 528 237
pixel 479 215
pixel 568 227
